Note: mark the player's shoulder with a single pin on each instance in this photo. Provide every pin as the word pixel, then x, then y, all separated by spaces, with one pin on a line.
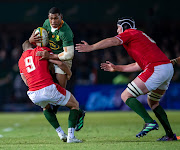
pixel 65 28
pixel 46 23
pixel 21 59
pixel 132 32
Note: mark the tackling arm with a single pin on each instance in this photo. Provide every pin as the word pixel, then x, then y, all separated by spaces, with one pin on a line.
pixel 67 54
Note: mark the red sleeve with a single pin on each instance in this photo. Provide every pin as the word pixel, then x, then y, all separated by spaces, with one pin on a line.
pixel 124 37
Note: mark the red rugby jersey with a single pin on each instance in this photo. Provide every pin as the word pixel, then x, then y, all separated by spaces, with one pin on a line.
pixel 142 48
pixel 35 71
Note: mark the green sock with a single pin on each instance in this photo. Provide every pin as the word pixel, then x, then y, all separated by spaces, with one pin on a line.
pixel 135 105
pixel 161 115
pixel 73 116
pixel 51 117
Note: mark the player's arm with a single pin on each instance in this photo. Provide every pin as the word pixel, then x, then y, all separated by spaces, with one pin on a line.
pixel 51 67
pixel 108 66
pixel 67 54
pixel 63 66
pixel 109 42
pixel 24 79
pixel 175 61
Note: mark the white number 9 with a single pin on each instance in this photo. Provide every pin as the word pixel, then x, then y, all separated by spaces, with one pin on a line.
pixel 29 64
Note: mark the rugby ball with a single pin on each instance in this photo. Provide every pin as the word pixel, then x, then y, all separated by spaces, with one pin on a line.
pixel 43 33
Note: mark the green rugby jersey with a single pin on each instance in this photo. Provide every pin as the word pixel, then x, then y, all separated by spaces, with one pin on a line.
pixel 59 38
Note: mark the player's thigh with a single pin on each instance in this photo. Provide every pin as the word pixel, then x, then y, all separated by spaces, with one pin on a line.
pixel 134 89
pixel 62 79
pixel 48 106
pixel 72 103
pixel 154 97
pixel 53 94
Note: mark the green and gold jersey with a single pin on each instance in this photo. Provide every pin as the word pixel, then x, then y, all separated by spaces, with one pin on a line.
pixel 60 38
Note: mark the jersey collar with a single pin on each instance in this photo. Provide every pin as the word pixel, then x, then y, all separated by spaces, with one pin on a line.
pixel 62 22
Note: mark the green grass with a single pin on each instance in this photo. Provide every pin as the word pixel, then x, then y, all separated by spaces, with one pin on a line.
pixel 102 131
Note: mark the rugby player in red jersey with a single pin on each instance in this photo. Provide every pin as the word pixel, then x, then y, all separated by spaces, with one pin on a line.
pixel 43 91
pixel 157 71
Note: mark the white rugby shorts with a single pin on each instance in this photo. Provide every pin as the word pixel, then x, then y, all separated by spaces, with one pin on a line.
pixel 157 77
pixel 58 70
pixel 53 94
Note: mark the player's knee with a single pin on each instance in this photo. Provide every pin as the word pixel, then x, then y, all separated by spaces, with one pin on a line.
pixel 153 104
pixel 76 104
pixel 125 95
pixel 73 103
pixel 153 99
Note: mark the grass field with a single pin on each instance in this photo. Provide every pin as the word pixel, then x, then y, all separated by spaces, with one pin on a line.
pixel 102 131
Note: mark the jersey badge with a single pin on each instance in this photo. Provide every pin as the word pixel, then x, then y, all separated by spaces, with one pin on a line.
pixel 57 38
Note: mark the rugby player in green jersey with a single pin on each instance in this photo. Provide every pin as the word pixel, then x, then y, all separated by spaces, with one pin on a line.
pixel 61 43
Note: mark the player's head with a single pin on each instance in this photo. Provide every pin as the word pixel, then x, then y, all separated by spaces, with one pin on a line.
pixel 126 23
pixel 27 45
pixel 55 17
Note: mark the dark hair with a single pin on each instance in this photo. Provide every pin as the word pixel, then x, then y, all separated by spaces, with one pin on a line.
pixel 54 10
pixel 126 23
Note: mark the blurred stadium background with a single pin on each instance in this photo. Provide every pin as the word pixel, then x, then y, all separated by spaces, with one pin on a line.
pixel 90 20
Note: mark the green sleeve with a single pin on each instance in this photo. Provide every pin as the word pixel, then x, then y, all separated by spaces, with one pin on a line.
pixel 67 37
pixel 46 24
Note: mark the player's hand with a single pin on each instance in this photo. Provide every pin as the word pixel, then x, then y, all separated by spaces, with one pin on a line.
pixel 108 66
pixel 85 47
pixel 44 54
pixel 35 38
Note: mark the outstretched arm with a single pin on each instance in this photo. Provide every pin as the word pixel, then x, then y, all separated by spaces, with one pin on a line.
pixel 109 42
pixel 108 66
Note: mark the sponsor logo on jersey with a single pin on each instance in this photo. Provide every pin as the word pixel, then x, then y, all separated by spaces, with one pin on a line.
pixel 53 45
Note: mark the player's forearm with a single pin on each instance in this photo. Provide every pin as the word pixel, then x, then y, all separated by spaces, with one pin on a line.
pixel 54 56
pixel 67 54
pixel 134 67
pixel 109 42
